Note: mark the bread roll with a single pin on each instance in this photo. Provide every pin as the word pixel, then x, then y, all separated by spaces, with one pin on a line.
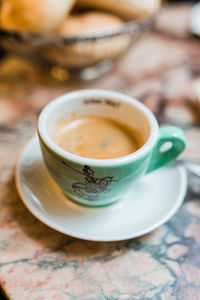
pixel 125 8
pixel 40 16
pixel 92 51
pixel 88 23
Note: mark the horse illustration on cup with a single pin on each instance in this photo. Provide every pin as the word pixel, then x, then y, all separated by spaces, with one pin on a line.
pixel 92 187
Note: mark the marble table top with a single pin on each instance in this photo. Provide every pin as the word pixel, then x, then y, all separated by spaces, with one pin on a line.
pixel 38 263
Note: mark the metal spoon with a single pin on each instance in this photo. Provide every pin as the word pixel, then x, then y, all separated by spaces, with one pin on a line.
pixel 190 166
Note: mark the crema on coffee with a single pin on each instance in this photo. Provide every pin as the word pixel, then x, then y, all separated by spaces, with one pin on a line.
pixel 96 137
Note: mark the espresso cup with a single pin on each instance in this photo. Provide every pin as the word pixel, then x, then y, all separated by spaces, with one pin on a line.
pixel 99 182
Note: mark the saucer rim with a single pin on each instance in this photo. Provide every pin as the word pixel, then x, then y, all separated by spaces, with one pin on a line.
pixel 53 225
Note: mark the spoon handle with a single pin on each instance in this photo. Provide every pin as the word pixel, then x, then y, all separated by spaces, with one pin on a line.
pixel 190 166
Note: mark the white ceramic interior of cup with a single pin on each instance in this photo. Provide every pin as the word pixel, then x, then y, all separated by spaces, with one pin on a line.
pixel 103 103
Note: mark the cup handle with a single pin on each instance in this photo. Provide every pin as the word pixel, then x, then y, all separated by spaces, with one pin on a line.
pixel 171 142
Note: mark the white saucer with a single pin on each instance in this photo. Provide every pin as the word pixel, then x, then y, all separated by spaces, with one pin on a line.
pixel 151 202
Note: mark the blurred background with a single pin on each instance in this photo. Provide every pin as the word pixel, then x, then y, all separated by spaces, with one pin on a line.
pixel 76 39
pixel 81 39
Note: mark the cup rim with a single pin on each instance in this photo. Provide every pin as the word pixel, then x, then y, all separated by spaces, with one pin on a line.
pixel 45 138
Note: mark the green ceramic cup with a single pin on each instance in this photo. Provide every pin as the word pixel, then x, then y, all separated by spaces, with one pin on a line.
pixel 98 182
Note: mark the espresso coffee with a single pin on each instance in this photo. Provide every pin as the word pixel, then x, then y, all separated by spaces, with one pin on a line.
pixel 96 137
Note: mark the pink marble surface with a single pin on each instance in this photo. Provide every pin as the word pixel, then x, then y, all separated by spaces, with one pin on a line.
pixel 38 263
